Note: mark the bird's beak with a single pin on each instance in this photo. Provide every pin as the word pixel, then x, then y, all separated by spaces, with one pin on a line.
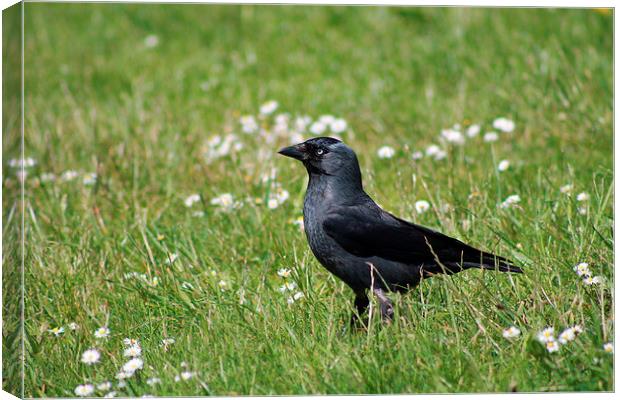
pixel 296 151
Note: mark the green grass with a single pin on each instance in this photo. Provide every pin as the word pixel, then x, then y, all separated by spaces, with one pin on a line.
pixel 98 100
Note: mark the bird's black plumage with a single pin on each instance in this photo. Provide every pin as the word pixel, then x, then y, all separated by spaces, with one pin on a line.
pixel 365 246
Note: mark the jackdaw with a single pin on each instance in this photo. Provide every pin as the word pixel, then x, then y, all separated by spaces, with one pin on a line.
pixel 365 246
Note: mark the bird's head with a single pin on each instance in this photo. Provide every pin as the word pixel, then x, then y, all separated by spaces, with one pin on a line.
pixel 325 156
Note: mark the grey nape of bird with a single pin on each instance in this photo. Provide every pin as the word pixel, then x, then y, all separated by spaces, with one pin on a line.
pixel 365 246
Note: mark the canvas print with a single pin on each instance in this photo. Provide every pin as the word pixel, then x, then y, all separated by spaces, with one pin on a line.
pixel 228 200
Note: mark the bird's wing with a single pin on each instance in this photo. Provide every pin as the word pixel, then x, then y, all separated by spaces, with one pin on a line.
pixel 369 231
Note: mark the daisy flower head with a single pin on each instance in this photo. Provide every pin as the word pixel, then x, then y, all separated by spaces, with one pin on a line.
pixel 133 365
pixel 422 206
pixel 288 286
pixel 284 272
pixel 223 285
pixel 167 341
pixel 269 107
pixel 133 351
pixel 417 155
pixel 608 348
pixel 503 165
pixel 73 326
pixel 511 201
pixel 386 152
pixel 490 137
pixel 48 177
pixel 298 296
pixel 248 124
pixel 299 221
pixel 577 329
pixel 151 41
pixel 566 189
pixel 546 335
pixel 191 199
pixel 583 196
pixel 225 202
pixel 338 125
pixel 84 390
pixel 56 331
pixel 185 375
pixel 290 300
pixel 511 332
pixel 91 356
pixel 592 280
pixel 453 136
pixel 317 128
pixel 552 346
pixel 432 150
pixel 104 386
pixel 69 175
pixel 582 269
pixel 171 258
pixel 566 336
pixel 473 130
pixel 102 332
pixel 109 395
pixel 504 125
pixel 131 342
pixel 89 178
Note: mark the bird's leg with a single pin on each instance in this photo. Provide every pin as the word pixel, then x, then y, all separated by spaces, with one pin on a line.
pixel 385 305
pixel 361 303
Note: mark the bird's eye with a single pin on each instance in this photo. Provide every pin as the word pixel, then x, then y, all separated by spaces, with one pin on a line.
pixel 319 152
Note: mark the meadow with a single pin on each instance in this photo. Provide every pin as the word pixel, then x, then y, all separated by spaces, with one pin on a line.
pixel 163 231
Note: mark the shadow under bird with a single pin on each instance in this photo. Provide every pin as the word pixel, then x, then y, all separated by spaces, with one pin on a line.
pixel 366 247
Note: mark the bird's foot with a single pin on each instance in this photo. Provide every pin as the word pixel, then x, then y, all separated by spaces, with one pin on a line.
pixel 385 305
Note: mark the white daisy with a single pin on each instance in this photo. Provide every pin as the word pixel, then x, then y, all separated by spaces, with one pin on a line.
pixel 503 165
pixel 284 272
pixel 48 177
pixel 89 178
pixel 151 41
pixel 172 257
pixel 21 162
pixel 272 203
pixel 91 356
pixel 248 124
pixel 490 137
pixel 473 131
pixel 511 201
pixel 504 125
pixel 298 296
pixel 552 346
pixel 133 351
pixel 608 348
pixel 191 199
pixel 566 336
pixel 582 269
pixel 583 196
pixel 102 332
pixel 56 331
pixel 592 280
pixel 566 189
pixel 546 335
pixel 432 150
pixel 223 285
pixel 453 136
pixel 185 375
pixel 338 125
pixel 73 326
pixel 269 107
pixel 288 286
pixel 84 390
pixel 110 395
pixel 69 175
pixel 317 128
pixel 167 341
pixel 224 201
pixel 421 206
pixel 104 386
pixel 132 365
pixel 511 332
pixel 290 300
pixel 386 152
pixel 417 155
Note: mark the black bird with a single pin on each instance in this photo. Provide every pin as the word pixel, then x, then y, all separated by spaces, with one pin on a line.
pixel 365 246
